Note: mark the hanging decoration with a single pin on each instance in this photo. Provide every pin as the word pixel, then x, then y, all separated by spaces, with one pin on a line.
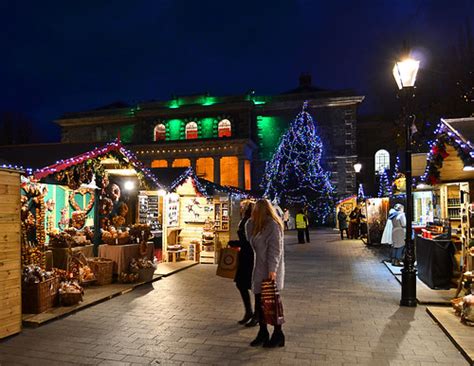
pixel 82 192
pixel 444 135
pixel 294 174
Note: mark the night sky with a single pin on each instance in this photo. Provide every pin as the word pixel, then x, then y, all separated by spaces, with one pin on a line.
pixel 61 56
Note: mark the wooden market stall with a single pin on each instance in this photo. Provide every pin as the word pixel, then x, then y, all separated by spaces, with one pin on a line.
pixel 448 183
pixel 200 217
pixel 75 209
pixel 10 258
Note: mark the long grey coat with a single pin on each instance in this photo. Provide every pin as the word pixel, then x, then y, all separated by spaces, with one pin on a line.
pixel 269 254
pixel 398 230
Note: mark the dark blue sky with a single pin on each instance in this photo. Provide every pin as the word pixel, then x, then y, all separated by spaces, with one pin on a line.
pixel 61 56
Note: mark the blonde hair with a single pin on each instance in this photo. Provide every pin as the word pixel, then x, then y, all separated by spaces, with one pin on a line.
pixel 261 212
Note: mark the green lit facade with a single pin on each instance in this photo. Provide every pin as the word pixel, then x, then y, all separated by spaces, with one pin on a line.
pixel 256 125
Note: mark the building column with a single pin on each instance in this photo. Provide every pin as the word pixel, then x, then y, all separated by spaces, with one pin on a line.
pixel 241 173
pixel 170 162
pixel 193 164
pixel 217 169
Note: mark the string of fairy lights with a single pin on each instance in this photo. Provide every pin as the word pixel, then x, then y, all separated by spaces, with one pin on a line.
pixel 294 175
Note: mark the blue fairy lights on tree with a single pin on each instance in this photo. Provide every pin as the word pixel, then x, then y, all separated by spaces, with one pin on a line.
pixel 294 174
pixel 385 188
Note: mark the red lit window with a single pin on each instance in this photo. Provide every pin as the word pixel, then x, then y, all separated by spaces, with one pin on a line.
pixel 160 132
pixel 224 128
pixel 191 130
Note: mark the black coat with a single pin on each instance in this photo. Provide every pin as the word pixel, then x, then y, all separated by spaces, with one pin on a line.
pixel 243 276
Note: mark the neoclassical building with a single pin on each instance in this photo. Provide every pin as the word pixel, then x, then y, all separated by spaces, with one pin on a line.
pixel 225 139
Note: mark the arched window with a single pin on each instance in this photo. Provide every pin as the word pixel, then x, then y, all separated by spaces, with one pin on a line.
pixel 159 133
pixel 224 128
pixel 191 130
pixel 382 161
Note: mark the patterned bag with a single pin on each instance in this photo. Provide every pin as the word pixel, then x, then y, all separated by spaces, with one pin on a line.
pixel 272 307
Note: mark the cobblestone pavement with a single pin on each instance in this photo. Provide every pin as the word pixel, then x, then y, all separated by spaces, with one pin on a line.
pixel 341 308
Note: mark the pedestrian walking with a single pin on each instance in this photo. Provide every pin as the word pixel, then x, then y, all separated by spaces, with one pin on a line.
pixel 399 223
pixel 342 221
pixel 306 216
pixel 265 233
pixel 286 218
pixel 243 275
pixel 354 223
pixel 301 226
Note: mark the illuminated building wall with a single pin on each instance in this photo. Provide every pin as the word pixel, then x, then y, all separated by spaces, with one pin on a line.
pixel 161 163
pixel 229 169
pixel 181 163
pixel 205 168
pixel 248 175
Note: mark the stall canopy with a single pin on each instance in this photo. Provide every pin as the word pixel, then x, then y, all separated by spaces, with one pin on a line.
pixel 174 177
pixel 451 155
pixel 46 162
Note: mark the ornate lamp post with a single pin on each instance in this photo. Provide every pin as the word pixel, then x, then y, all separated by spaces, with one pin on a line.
pixel 404 73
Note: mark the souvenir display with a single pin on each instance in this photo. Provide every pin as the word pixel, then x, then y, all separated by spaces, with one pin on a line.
pixel 128 277
pixel 112 236
pixel 34 274
pixel 70 293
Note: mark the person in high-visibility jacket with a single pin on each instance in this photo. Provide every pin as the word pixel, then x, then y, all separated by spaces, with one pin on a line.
pixel 301 224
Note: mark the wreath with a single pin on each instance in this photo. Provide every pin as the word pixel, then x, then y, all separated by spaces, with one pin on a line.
pixel 82 191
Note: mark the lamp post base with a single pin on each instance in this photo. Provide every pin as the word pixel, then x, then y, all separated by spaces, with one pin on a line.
pixel 408 288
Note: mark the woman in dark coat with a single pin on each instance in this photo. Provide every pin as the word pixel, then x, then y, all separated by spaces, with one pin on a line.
pixel 243 276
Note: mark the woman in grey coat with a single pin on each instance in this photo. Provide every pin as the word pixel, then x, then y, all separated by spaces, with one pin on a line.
pixel 399 223
pixel 265 233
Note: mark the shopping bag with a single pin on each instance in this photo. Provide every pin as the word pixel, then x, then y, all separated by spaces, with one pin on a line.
pixel 228 263
pixel 272 306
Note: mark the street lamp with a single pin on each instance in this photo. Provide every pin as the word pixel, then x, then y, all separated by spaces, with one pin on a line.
pixel 357 167
pixel 404 73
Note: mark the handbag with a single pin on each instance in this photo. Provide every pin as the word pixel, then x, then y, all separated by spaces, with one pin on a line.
pixel 272 306
pixel 228 263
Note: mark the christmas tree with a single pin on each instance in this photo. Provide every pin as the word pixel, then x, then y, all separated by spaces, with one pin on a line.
pixel 385 188
pixel 294 174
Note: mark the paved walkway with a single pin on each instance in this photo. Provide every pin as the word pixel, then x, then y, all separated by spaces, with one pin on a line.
pixel 341 307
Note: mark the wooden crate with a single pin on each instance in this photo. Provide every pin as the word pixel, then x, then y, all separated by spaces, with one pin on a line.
pixel 10 254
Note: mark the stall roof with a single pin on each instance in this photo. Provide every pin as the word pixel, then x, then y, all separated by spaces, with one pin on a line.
pixel 451 155
pixel 173 177
pixel 43 160
pixel 463 127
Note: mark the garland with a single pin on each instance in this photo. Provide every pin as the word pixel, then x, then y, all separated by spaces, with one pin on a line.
pixel 437 153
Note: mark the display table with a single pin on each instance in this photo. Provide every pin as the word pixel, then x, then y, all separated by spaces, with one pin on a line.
pixel 61 255
pixel 175 255
pixel 123 254
pixel 435 260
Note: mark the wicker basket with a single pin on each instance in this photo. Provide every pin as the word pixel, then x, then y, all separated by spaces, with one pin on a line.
pixel 103 270
pixel 39 297
pixel 146 274
pixel 70 298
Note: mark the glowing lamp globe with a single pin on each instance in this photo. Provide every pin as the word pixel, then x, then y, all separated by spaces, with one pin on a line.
pixel 357 167
pixel 405 72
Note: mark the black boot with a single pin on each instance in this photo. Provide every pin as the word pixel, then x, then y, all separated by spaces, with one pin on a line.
pixel 253 322
pixel 262 338
pixel 277 340
pixel 246 318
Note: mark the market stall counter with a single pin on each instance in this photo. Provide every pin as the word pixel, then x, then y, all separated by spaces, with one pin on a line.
pixel 435 260
pixel 122 254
